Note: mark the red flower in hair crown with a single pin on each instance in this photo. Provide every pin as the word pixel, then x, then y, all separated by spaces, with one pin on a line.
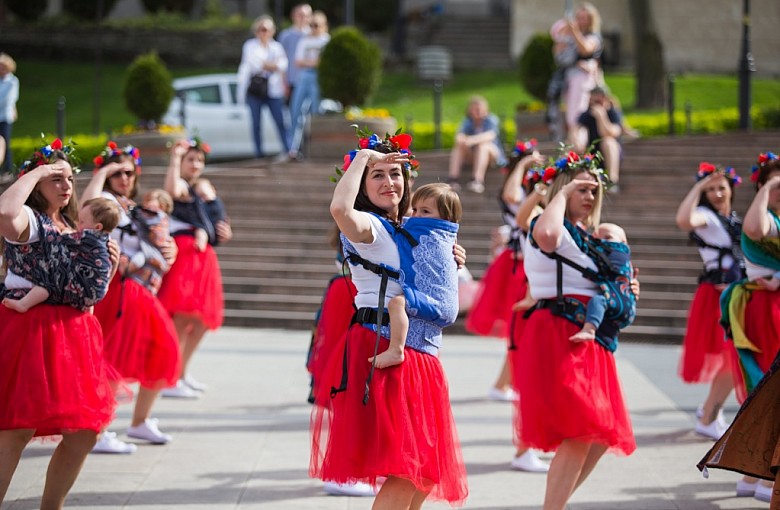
pixel 706 169
pixel 763 159
pixel 367 139
pixel 570 162
pixel 43 156
pixel 112 150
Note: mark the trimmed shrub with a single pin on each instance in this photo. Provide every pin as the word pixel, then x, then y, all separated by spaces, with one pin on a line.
pixel 350 67
pixel 148 88
pixel 182 6
pixel 536 66
pixel 87 9
pixel 27 10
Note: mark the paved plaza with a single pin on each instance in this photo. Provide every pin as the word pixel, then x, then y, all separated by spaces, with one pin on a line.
pixel 244 443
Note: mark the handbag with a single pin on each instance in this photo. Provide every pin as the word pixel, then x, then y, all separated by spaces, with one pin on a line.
pixel 258 86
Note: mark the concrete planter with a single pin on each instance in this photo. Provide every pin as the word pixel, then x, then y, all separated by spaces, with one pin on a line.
pixel 154 146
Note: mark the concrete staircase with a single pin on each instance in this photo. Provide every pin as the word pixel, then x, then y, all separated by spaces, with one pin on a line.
pixel 279 262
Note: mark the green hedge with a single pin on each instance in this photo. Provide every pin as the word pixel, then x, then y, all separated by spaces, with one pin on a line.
pixel 87 147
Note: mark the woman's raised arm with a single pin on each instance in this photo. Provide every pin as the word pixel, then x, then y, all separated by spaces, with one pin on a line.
pixel 756 224
pixel 687 218
pixel 14 222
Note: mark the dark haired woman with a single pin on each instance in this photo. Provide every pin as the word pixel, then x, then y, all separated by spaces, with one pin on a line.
pixel 53 378
pixel 706 214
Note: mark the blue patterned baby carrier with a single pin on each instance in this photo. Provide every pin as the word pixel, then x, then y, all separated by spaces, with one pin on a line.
pixel 73 268
pixel 200 214
pixel 145 224
pixel 429 278
pixel 613 278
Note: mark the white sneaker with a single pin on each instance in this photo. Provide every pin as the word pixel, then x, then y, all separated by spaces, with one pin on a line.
pixel 282 157
pixel 530 463
pixel 108 443
pixel 508 395
pixel 194 384
pixel 148 431
pixel 720 418
pixel 713 431
pixel 764 493
pixel 349 489
pixel 746 489
pixel 181 390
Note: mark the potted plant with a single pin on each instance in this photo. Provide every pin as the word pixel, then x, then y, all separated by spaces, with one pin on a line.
pixel 349 72
pixel 148 90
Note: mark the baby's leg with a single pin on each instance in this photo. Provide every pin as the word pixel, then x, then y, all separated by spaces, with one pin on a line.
pixel 201 239
pixel 399 328
pixel 586 334
pixel 36 296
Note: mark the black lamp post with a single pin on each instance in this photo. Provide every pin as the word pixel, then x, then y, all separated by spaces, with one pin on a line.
pixel 349 12
pixel 746 66
pixel 98 70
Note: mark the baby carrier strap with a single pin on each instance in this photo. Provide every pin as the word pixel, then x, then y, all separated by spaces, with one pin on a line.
pixel 515 235
pixel 194 212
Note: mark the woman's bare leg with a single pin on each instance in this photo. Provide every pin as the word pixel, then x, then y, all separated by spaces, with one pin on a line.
pixel 65 466
pixel 720 388
pixel 565 471
pixel 143 405
pixel 12 443
pixel 395 494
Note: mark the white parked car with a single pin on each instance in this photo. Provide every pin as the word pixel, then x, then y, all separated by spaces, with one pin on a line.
pixel 206 106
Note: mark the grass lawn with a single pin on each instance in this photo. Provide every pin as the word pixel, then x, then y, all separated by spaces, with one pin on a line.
pixel 42 83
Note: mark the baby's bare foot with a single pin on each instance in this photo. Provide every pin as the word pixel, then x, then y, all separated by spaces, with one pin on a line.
pixel 583 336
pixel 388 358
pixel 15 304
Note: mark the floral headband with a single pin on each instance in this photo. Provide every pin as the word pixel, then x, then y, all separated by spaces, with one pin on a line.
pixel 197 143
pixel 400 142
pixel 43 156
pixel 706 169
pixel 522 147
pixel 572 163
pixel 763 159
pixel 112 150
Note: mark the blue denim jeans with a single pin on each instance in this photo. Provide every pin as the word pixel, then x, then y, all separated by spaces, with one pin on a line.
pixel 275 105
pixel 305 101
pixel 5 132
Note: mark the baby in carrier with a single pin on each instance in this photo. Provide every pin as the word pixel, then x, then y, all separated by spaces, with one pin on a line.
pixel 204 212
pixel 150 223
pixel 615 307
pixel 435 201
pixel 81 279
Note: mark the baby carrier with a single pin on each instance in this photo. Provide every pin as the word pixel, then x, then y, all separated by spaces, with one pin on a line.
pixel 200 214
pixel 151 229
pixel 614 283
pixel 428 276
pixel 720 275
pixel 516 234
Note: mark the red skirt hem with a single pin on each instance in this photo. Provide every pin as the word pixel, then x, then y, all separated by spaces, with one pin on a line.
pixel 705 351
pixel 503 284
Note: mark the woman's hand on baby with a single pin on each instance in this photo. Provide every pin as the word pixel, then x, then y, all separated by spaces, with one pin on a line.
pixel 459 252
pixel 113 255
pixel 224 231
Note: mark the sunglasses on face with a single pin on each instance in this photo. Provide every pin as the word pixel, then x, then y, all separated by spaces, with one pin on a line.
pixel 127 173
pixel 263 29
pixel 315 25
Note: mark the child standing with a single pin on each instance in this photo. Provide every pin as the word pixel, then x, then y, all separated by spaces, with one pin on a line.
pixel 99 215
pixel 437 201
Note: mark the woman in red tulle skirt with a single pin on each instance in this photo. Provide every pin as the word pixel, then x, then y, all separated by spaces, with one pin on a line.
pixel 53 378
pixel 571 400
pixel 706 213
pixel 140 339
pixel 398 425
pixel 192 290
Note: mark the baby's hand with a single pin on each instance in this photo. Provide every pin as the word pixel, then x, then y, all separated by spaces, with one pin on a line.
pixel 201 239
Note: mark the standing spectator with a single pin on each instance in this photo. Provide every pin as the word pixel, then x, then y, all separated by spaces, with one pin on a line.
pixel 585 74
pixel 261 82
pixel 289 39
pixel 602 121
pixel 478 141
pixel 306 94
pixel 53 378
pixel 9 94
pixel 706 214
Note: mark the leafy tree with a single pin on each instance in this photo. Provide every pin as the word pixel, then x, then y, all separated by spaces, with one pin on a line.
pixel 27 10
pixel 148 88
pixel 537 65
pixel 87 9
pixel 180 6
pixel 650 68
pixel 350 67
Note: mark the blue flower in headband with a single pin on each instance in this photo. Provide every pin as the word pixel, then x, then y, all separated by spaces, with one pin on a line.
pixel 706 169
pixel 763 159
pixel 42 156
pixel 400 142
pixel 522 147
pixel 112 150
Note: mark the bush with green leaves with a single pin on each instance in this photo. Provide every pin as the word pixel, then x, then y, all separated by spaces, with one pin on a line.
pixel 148 88
pixel 536 65
pixel 87 9
pixel 182 6
pixel 350 67
pixel 27 10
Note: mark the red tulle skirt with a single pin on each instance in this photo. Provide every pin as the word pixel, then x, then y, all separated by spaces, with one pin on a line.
pixel 568 390
pixel 335 317
pixel 406 429
pixel 503 284
pixel 193 286
pixel 516 328
pixel 762 327
pixel 705 352
pixel 53 377
pixel 141 342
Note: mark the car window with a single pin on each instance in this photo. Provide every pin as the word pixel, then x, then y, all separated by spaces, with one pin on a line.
pixel 207 94
pixel 233 87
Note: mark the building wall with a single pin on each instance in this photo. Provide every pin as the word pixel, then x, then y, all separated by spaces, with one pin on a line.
pixel 695 40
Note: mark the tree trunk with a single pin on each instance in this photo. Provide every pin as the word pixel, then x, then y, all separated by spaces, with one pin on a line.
pixel 649 55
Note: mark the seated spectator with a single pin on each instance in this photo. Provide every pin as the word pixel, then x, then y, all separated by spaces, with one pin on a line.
pixel 478 140
pixel 603 124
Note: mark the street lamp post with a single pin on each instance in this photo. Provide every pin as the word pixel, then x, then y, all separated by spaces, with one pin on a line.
pixel 746 66
pixel 349 12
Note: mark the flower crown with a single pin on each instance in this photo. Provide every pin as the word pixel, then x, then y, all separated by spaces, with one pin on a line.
pixel 763 159
pixel 522 147
pixel 706 169
pixel 43 156
pixel 367 139
pixel 111 150
pixel 197 143
pixel 573 163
